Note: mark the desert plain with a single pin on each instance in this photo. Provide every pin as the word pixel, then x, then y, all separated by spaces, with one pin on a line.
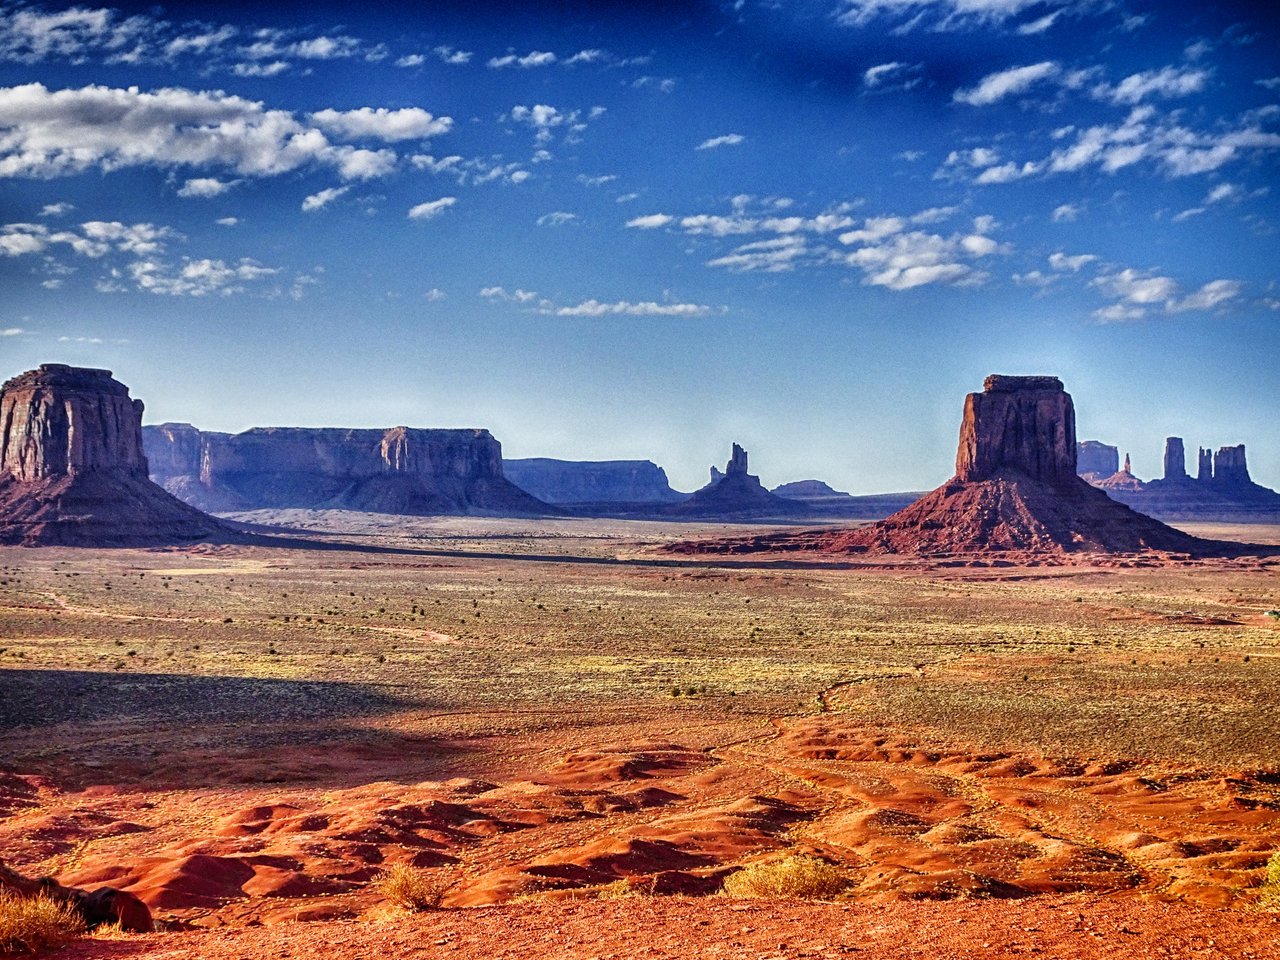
pixel 583 736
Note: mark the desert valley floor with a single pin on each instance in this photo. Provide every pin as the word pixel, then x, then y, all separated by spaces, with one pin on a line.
pixel 586 737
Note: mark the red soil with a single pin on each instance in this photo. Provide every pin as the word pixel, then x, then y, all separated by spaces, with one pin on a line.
pixel 1071 928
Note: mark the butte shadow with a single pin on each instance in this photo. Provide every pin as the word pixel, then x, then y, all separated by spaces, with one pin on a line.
pixel 1015 496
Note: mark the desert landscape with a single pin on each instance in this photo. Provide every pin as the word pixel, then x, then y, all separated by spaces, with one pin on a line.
pixel 629 727
pixel 674 480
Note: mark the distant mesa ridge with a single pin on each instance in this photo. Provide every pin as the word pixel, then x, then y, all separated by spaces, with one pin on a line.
pixel 1221 489
pixel 1015 491
pixel 73 469
pixel 570 482
pixel 401 470
pixel 735 493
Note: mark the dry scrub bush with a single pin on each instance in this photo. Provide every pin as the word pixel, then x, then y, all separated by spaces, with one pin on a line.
pixel 793 877
pixel 1269 895
pixel 412 890
pixel 29 924
pixel 623 889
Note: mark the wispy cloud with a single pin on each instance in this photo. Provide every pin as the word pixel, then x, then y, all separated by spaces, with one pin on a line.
pixel 431 209
pixel 725 140
pixel 320 200
pixel 997 86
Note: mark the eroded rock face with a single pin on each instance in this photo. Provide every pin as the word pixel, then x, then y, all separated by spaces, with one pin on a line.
pixel 399 470
pixel 1204 473
pixel 58 420
pixel 72 468
pixel 1175 459
pixel 1021 424
pixel 1230 468
pixel 1097 459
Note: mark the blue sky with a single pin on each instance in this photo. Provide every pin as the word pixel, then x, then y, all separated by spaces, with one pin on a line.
pixel 646 230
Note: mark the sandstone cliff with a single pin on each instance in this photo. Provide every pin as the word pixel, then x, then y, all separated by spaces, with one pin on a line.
pixel 400 470
pixel 592 482
pixel 72 467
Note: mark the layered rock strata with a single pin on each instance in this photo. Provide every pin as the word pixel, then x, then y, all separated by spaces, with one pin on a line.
pixel 401 470
pixel 73 470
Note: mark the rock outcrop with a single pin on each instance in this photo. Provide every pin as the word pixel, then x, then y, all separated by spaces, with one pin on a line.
pixel 1221 491
pixel 1175 459
pixel 1096 460
pixel 807 490
pixel 105 906
pixel 586 482
pixel 1015 492
pixel 73 470
pixel 400 470
pixel 1122 479
pixel 736 493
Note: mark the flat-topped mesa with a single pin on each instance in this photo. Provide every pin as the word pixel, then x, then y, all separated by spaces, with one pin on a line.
pixel 1230 468
pixel 58 421
pixel 1022 424
pixel 1097 459
pixel 406 470
pixel 1175 459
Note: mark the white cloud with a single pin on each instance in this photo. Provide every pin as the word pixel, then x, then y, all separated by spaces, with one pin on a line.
pixel 534 58
pixel 516 296
pixel 1215 293
pixel 206 187
pixel 272 69
pixel 1223 191
pixel 476 171
pixel 435 295
pixel 726 140
pixel 556 218
pixel 1187 214
pixel 1165 82
pixel 1060 261
pixel 318 201
pixel 197 278
pixel 46 133
pixel 661 84
pixel 410 123
pixel 452 56
pixel 1142 137
pixel 31 35
pixel 1134 287
pixel 227 221
pixel 544 118
pixel 942 15
pixel 432 208
pixel 650 221
pixel 776 255
pixel 647 308
pixel 12 332
pixel 1034 27
pixel 56 209
pixel 883 73
pixel 997 86
pixel 96 238
pixel 411 60
pixel 598 181
pixel 1066 213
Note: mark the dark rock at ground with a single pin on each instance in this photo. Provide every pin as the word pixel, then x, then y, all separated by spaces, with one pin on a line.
pixel 72 467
